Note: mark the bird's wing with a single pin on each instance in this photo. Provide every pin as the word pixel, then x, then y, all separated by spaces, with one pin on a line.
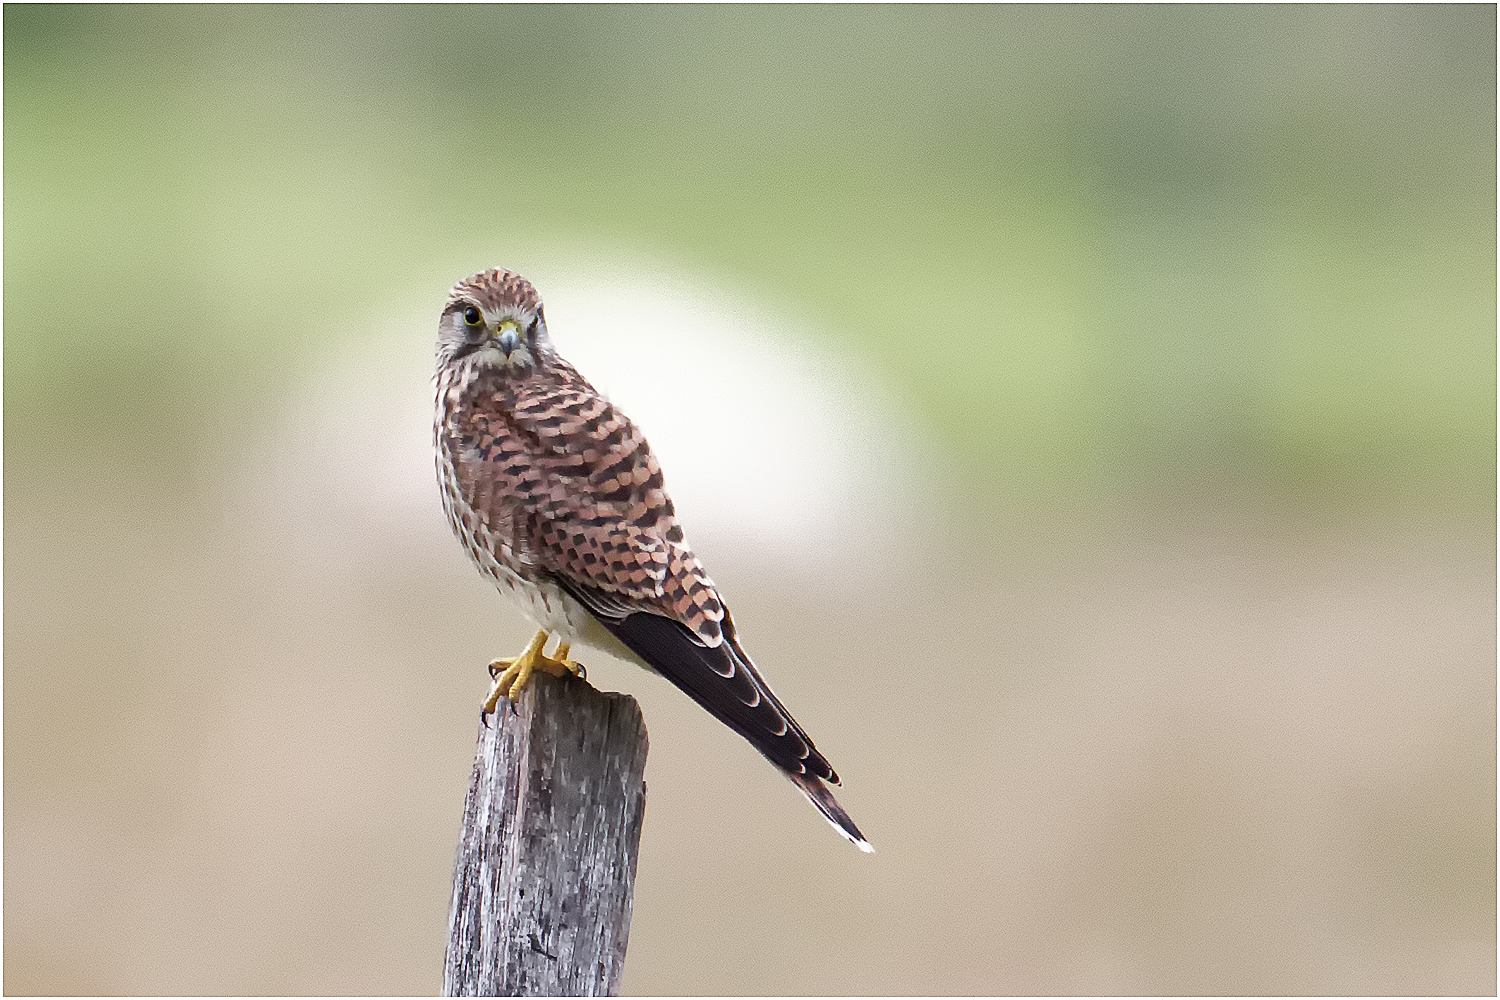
pixel 551 472
pixel 720 678
pixel 571 484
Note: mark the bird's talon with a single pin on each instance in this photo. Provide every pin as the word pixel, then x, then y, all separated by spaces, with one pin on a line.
pixel 512 674
pixel 558 662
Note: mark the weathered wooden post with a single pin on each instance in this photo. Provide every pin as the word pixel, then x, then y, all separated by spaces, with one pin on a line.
pixel 546 863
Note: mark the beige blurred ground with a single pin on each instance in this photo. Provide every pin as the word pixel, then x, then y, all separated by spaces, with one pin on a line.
pixel 1104 757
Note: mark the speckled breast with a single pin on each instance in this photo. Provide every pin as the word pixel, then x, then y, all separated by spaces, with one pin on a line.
pixel 491 550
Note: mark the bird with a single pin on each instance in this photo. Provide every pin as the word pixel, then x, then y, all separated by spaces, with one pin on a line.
pixel 558 499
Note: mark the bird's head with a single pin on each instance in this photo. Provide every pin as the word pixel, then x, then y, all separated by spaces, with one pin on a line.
pixel 494 321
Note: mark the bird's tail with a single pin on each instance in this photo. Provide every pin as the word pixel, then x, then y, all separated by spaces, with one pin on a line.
pixel 822 799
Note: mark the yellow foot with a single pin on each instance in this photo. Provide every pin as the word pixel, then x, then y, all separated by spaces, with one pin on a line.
pixel 513 674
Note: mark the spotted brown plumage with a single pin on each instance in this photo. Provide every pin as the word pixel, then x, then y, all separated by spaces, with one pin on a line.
pixel 557 497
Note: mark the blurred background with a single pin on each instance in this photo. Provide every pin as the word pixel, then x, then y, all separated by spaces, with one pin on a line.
pixel 1089 414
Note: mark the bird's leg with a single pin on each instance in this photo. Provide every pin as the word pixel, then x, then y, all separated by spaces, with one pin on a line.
pixel 513 674
pixel 557 664
pixel 560 657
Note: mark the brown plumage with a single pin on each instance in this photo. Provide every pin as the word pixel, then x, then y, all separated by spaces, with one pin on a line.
pixel 556 496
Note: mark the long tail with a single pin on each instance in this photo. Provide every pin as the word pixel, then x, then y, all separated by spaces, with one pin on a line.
pixel 822 799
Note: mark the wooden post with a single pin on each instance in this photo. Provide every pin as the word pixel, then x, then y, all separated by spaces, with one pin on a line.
pixel 546 863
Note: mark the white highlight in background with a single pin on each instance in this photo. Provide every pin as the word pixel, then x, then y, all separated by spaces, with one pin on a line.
pixel 776 452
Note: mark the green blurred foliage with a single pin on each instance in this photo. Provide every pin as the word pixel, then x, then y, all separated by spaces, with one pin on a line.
pixel 1093 250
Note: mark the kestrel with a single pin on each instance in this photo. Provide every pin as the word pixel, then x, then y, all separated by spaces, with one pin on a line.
pixel 558 499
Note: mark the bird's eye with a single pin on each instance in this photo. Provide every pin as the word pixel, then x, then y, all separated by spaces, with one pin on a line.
pixel 471 316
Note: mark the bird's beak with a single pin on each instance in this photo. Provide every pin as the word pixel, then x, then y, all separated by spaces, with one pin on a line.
pixel 507 340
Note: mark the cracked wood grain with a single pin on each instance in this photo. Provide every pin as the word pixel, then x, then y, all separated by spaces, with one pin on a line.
pixel 545 871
